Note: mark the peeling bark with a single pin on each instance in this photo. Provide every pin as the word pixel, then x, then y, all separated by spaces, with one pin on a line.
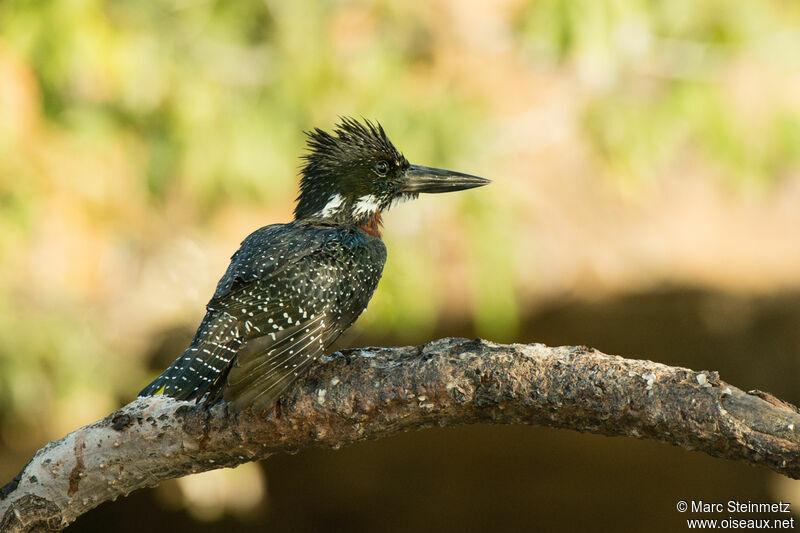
pixel 371 393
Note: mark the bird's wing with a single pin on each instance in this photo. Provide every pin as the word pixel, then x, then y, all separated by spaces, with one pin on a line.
pixel 286 332
pixel 263 368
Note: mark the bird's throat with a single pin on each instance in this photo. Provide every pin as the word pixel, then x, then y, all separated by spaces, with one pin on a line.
pixel 373 225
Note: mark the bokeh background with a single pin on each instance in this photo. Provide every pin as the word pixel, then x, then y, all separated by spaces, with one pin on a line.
pixel 646 167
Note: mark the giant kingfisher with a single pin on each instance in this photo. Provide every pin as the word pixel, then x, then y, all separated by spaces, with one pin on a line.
pixel 292 289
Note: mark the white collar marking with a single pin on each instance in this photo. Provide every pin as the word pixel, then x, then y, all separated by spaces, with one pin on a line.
pixel 366 205
pixel 334 202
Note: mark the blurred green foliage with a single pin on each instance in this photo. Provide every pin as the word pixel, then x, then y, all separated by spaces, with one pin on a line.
pixel 661 70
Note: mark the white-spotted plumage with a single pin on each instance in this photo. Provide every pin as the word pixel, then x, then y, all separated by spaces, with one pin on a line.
pixel 274 314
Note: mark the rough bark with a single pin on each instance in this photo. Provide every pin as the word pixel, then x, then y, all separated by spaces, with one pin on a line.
pixel 375 392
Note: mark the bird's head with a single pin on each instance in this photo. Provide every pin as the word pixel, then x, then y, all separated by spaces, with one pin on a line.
pixel 354 174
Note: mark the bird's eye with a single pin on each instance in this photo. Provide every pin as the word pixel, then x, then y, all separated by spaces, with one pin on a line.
pixel 382 167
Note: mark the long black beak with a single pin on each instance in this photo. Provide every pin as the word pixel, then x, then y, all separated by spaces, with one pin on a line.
pixel 428 179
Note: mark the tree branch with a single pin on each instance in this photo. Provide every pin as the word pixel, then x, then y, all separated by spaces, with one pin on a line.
pixel 376 392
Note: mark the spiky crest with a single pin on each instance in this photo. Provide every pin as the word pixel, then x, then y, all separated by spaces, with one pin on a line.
pixel 338 178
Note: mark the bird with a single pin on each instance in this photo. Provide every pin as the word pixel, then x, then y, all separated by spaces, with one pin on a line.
pixel 292 289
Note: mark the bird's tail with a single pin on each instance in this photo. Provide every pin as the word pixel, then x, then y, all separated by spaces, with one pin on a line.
pixel 156 387
pixel 185 379
pixel 174 381
pixel 205 363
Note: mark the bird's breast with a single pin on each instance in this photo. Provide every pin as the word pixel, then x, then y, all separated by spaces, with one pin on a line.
pixel 373 225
